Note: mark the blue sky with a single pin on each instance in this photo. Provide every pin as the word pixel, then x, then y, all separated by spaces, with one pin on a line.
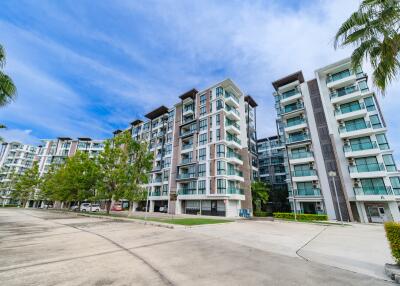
pixel 86 68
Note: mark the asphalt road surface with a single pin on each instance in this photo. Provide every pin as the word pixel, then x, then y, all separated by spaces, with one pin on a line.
pixel 51 248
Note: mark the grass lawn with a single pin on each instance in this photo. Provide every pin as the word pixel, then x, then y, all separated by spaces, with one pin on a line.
pixel 180 220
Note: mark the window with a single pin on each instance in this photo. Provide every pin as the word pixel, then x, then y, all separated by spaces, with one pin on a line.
pixel 202 99
pixel 166 175
pixel 367 164
pixel 221 168
pixel 218 134
pixel 203 110
pixel 210 137
pixel 369 103
pixel 167 162
pixel 164 190
pixel 389 163
pixel 373 186
pixel 201 187
pixel 361 143
pixel 217 119
pixel 221 186
pixel 203 124
pixel 395 181
pixel 210 121
pixel 355 124
pixel 220 151
pixel 202 154
pixel 203 139
pixel 168 149
pixel 211 107
pixel 220 91
pixel 376 123
pixel 382 141
pixel 304 186
pixel 220 104
pixel 350 106
pixel 363 85
pixel 202 170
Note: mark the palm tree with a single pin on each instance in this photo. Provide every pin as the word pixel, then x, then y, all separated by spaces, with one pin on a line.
pixel 8 91
pixel 374 30
pixel 259 193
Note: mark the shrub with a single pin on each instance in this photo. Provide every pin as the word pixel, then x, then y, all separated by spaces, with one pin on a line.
pixel 260 214
pixel 304 217
pixel 393 235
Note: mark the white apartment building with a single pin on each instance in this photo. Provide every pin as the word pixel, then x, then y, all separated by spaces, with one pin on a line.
pixel 57 150
pixel 15 158
pixel 339 160
pixel 202 160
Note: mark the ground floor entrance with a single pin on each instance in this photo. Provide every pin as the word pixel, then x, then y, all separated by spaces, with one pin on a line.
pixel 375 212
pixel 204 207
pixel 307 207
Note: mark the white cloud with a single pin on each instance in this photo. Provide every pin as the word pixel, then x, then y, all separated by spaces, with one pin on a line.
pixel 25 136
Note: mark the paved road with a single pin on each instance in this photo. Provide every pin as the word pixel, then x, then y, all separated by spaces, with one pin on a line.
pixel 48 248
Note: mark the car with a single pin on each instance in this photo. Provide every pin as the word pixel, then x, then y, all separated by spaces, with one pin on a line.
pixel 88 207
pixel 116 207
pixel 49 206
pixel 95 208
pixel 75 208
pixel 164 209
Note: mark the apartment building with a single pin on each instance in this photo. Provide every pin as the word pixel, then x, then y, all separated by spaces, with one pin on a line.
pixel 251 127
pixel 55 151
pixel 203 164
pixel 15 158
pixel 339 160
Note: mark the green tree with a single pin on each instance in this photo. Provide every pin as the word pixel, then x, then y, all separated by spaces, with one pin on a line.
pixel 374 30
pixel 26 185
pixel 8 91
pixel 50 187
pixel 260 194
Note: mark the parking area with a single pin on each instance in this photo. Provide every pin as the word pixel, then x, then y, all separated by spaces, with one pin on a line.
pixel 50 248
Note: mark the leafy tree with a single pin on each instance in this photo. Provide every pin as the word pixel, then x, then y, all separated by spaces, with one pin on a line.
pixel 374 30
pixel 50 187
pixel 8 91
pixel 260 194
pixel 26 185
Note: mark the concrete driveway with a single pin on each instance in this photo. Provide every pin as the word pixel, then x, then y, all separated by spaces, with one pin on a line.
pixel 48 248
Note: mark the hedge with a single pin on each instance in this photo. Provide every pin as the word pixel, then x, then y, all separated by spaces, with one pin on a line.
pixel 261 214
pixel 305 217
pixel 393 235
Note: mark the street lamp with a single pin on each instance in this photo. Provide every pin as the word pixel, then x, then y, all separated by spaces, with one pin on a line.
pixel 332 174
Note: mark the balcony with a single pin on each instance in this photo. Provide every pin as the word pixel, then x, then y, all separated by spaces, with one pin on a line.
pixel 186 161
pixel 232 127
pixel 235 158
pixel 233 142
pixel 231 99
pixel 346 94
pixel 304 175
pixel 297 138
pixel 361 150
pixel 235 191
pixel 308 193
pixel 232 113
pixel 340 78
pixel 358 129
pixel 292 109
pixel 186 176
pixel 367 171
pixel 185 192
pixel 157 168
pixel 185 133
pixel 186 147
pixel 374 191
pixel 296 125
pixel 302 157
pixel 290 96
pixel 351 112
pixel 188 109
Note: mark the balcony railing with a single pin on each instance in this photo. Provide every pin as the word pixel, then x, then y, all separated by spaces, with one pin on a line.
pixel 312 192
pixel 231 109
pixel 234 173
pixel 187 132
pixel 367 168
pixel 186 176
pixel 354 127
pixel 289 93
pixel 186 160
pixel 350 109
pixel 234 139
pixel 233 155
pixel 373 191
pixel 344 91
pixel 297 138
pixel 360 146
pixel 232 123
pixel 304 173
pixel 187 146
pixel 235 191
pixel 295 122
pixel 157 180
pixel 230 95
pixel 188 108
pixel 187 192
pixel 291 108
pixel 339 76
pixel 300 155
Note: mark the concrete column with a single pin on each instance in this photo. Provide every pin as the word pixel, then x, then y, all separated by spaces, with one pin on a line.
pixel 178 207
pixel 134 206
pixel 151 207
pixel 362 212
pixel 394 211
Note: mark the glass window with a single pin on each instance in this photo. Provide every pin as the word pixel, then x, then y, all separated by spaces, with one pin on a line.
pixel 203 110
pixel 382 141
pixel 355 124
pixel 202 170
pixel 221 186
pixel 376 123
pixel 201 186
pixel 220 91
pixel 203 139
pixel 210 137
pixel 367 164
pixel 220 151
pixel 217 119
pixel 369 103
pixel 395 181
pixel 363 85
pixel 202 99
pixel 389 163
pixel 220 104
pixel 221 168
pixel 167 162
pixel 203 124
pixel 371 186
pixel 202 154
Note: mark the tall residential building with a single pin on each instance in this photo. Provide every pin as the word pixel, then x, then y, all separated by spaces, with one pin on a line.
pixel 15 158
pixel 339 160
pixel 201 147
pixel 57 150
pixel 250 107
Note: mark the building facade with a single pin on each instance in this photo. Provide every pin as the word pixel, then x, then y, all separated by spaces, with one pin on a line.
pixel 339 160
pixel 15 158
pixel 201 145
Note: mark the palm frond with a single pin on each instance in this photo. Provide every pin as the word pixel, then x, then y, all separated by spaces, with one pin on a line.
pixel 2 56
pixel 8 91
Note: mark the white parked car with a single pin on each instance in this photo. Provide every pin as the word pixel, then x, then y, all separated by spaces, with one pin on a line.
pixel 88 207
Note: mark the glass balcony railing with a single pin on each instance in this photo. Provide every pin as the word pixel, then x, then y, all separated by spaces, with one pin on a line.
pixel 343 91
pixel 295 122
pixel 234 173
pixel 187 192
pixel 373 191
pixel 300 155
pixel 187 132
pixel 304 173
pixel 360 146
pixel 289 93
pixel 312 192
pixel 354 127
pixel 291 108
pixel 232 123
pixel 155 193
pixel 186 160
pixel 186 176
pixel 350 109
pixel 233 155
pixel 188 108
pixel 230 95
pixel 233 110
pixel 234 139
pixel 297 138
pixel 235 191
pixel 376 167
pixel 339 76
pixel 187 146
